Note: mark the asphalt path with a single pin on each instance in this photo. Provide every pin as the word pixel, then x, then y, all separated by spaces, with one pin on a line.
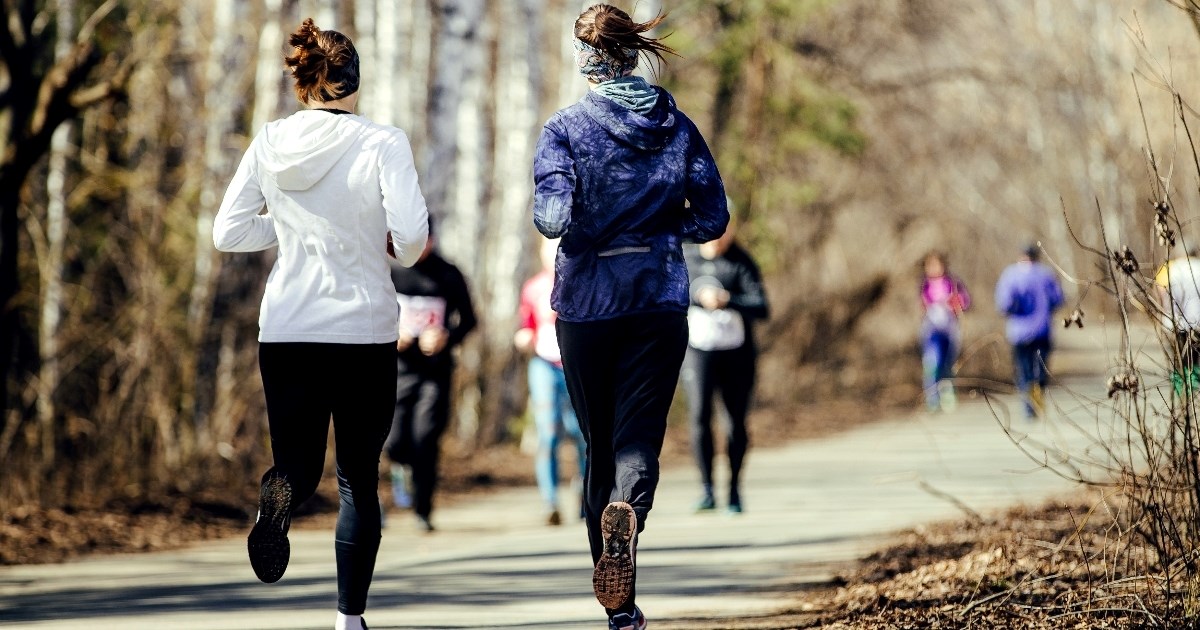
pixel 811 507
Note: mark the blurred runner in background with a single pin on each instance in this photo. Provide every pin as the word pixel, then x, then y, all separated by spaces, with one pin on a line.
pixel 944 297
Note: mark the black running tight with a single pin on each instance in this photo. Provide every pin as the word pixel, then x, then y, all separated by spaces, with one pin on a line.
pixel 306 384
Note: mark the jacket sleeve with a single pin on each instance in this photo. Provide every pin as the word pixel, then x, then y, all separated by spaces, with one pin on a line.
pixel 1054 290
pixel 459 303
pixel 239 226
pixel 554 182
pixel 526 312
pixel 407 216
pixel 708 213
pixel 1004 297
pixel 964 296
pixel 750 299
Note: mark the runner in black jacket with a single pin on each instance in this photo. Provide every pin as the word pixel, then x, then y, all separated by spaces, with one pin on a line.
pixel 435 315
pixel 727 298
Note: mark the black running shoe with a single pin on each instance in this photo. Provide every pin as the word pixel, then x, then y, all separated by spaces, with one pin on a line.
pixel 268 543
pixel 628 621
pixel 613 577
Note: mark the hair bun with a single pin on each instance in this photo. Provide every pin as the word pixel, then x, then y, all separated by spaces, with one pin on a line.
pixel 325 64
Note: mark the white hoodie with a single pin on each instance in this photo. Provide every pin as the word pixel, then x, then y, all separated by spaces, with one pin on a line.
pixel 334 186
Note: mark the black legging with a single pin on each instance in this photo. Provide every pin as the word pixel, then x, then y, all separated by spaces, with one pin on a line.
pixel 621 376
pixel 422 411
pixel 731 372
pixel 305 384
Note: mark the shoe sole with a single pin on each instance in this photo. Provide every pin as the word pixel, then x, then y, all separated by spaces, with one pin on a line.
pixel 268 544
pixel 612 579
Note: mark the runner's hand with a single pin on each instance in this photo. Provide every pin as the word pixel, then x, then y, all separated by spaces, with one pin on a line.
pixel 712 298
pixel 523 340
pixel 432 341
pixel 405 342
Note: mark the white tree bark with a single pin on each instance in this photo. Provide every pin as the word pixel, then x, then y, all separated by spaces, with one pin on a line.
pixel 218 113
pixel 384 87
pixel 457 24
pixel 52 266
pixel 323 13
pixel 518 85
pixel 571 86
pixel 364 40
pixel 268 75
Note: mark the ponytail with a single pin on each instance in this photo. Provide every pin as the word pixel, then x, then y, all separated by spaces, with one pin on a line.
pixel 611 30
pixel 325 64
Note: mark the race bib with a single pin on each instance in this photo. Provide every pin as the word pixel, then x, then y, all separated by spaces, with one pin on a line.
pixel 720 329
pixel 420 312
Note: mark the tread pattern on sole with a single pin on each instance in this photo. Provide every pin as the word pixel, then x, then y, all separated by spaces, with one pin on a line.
pixel 268 545
pixel 613 577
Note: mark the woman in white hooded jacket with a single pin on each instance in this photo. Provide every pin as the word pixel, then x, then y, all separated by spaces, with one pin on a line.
pixel 340 194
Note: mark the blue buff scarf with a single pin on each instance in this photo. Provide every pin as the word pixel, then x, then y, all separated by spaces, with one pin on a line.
pixel 599 66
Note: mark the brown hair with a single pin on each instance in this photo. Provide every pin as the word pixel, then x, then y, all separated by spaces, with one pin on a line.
pixel 325 65
pixel 610 29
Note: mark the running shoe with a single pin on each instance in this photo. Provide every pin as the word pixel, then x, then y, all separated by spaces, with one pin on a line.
pixel 734 508
pixel 400 494
pixel 1037 400
pixel 268 544
pixel 613 577
pixel 553 518
pixel 949 401
pixel 627 621
pixel 424 524
pixel 707 503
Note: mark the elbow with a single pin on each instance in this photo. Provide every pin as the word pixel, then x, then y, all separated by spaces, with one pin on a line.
pixel 549 229
pixel 551 216
pixel 552 226
pixel 713 225
pixel 223 240
pixel 408 255
pixel 410 252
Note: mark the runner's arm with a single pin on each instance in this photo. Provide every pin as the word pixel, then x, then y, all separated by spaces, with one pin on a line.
pixel 554 182
pixel 240 225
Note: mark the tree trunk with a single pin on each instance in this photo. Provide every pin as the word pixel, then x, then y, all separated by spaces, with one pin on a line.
pixel 387 66
pixel 517 87
pixel 52 266
pixel 456 48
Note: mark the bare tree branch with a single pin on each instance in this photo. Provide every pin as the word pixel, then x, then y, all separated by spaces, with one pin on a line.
pixel 9 47
pixel 89 26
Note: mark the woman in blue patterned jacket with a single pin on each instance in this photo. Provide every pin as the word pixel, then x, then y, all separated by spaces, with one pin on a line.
pixel 624 178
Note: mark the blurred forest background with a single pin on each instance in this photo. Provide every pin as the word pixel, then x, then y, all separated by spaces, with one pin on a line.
pixel 853 135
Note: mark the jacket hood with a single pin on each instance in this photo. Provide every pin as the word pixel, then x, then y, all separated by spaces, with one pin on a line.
pixel 301 149
pixel 649 132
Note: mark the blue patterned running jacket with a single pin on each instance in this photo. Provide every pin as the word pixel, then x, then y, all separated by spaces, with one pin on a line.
pixel 624 191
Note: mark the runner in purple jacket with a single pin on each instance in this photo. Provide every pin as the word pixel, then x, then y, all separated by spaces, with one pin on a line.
pixel 1027 294
pixel 624 178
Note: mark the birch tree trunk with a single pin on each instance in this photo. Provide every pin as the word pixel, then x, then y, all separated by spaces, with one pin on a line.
pixel 217 110
pixel 52 265
pixel 457 41
pixel 383 88
pixel 218 116
pixel 509 256
pixel 268 75
pixel 417 66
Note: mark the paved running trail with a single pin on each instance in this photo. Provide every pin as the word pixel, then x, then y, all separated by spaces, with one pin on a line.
pixel 811 507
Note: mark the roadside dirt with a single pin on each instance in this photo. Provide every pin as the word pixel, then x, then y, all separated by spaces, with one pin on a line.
pixel 1044 567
